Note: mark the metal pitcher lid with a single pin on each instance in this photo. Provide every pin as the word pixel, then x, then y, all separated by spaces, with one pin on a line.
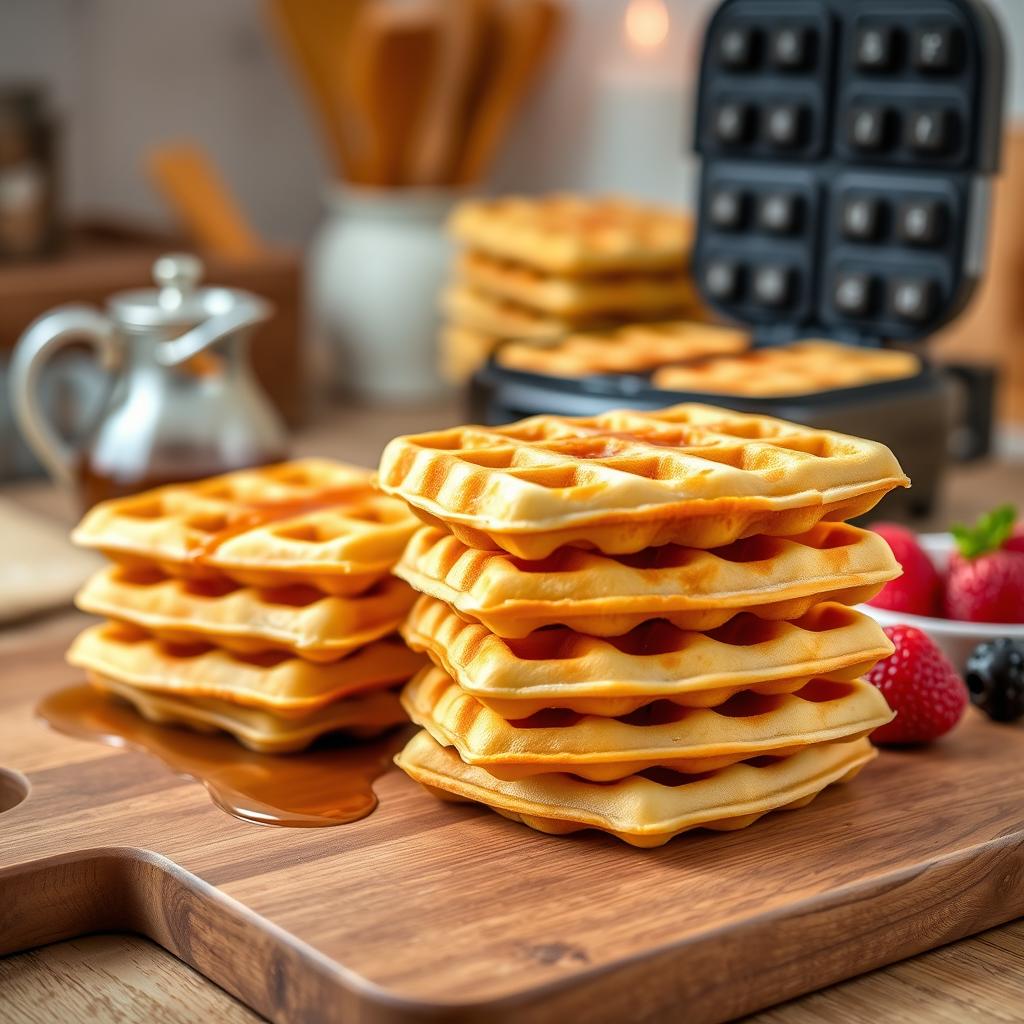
pixel 178 300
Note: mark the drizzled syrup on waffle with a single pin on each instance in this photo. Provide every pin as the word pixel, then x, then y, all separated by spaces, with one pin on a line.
pixel 330 784
pixel 263 513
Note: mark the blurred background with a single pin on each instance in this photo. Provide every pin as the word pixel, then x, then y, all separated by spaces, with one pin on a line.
pixel 125 77
pixel 240 131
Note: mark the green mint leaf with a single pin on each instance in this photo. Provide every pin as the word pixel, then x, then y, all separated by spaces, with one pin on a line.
pixel 989 533
pixel 1001 525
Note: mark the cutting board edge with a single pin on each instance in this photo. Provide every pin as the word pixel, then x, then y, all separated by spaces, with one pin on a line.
pixel 285 979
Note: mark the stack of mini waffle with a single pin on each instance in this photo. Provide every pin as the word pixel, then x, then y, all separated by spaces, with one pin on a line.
pixel 641 622
pixel 259 603
pixel 538 269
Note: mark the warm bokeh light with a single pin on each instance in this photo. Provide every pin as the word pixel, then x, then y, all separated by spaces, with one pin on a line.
pixel 646 24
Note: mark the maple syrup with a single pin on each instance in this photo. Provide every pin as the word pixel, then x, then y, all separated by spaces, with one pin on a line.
pixel 184 403
pixel 95 484
pixel 329 784
pixel 263 513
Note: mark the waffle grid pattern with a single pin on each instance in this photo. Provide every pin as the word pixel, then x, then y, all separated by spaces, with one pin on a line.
pixel 624 481
pixel 317 524
pixel 570 235
pixel 258 602
pixel 636 349
pixel 641 674
pixel 798 369
pixel 536 269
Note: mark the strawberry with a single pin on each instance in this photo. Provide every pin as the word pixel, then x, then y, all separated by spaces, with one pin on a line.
pixel 921 686
pixel 986 572
pixel 918 591
pixel 1015 542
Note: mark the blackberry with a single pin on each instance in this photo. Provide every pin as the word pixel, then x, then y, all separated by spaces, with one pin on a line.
pixel 995 677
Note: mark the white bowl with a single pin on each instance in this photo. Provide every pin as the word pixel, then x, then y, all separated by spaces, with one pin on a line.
pixel 956 638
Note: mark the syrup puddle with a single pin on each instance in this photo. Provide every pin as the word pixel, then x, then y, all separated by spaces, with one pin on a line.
pixel 329 784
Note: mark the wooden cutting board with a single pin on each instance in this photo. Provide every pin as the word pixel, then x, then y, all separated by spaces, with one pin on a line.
pixel 429 911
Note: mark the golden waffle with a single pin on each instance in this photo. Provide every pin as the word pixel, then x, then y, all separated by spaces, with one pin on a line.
pixel 486 314
pixel 798 369
pixel 643 810
pixel 620 295
pixel 624 481
pixel 606 595
pixel 613 676
pixel 296 618
pixel 563 234
pixel 689 740
pixel 364 715
pixel 637 348
pixel 464 351
pixel 312 521
pixel 272 681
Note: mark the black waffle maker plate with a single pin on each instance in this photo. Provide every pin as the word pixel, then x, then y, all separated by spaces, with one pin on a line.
pixel 847 151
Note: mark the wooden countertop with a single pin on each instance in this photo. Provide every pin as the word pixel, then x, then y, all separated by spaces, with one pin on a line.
pixel 121 978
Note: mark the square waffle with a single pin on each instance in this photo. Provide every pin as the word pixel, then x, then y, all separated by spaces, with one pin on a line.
pixel 311 522
pixel 572 235
pixel 613 676
pixel 687 740
pixel 623 481
pixel 363 715
pixel 488 314
pixel 637 348
pixel 295 618
pixel 275 682
pixel 621 295
pixel 789 371
pixel 606 595
pixel 646 809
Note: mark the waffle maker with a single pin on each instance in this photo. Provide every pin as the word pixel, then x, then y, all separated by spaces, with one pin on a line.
pixel 847 149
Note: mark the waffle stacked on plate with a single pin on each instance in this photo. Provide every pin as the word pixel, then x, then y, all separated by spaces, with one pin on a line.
pixel 537 269
pixel 640 622
pixel 259 602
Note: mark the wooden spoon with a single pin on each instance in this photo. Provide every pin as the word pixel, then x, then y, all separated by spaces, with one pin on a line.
pixel 527 30
pixel 315 33
pixel 200 197
pixel 464 26
pixel 392 57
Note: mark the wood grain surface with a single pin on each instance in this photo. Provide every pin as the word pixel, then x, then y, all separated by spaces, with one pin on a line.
pixel 111 979
pixel 425 908
pixel 979 981
pixel 125 979
pixel 430 911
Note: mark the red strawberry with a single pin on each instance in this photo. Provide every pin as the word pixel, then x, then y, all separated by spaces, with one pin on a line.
pixel 918 590
pixel 921 686
pixel 986 572
pixel 1015 542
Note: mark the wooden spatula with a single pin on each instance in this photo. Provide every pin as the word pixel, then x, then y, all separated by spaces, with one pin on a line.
pixel 189 182
pixel 392 58
pixel 315 33
pixel 526 31
pixel 464 26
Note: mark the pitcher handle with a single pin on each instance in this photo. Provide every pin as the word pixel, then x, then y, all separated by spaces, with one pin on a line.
pixel 40 342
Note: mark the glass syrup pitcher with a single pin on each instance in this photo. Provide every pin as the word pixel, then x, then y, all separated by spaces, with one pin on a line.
pixel 184 403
